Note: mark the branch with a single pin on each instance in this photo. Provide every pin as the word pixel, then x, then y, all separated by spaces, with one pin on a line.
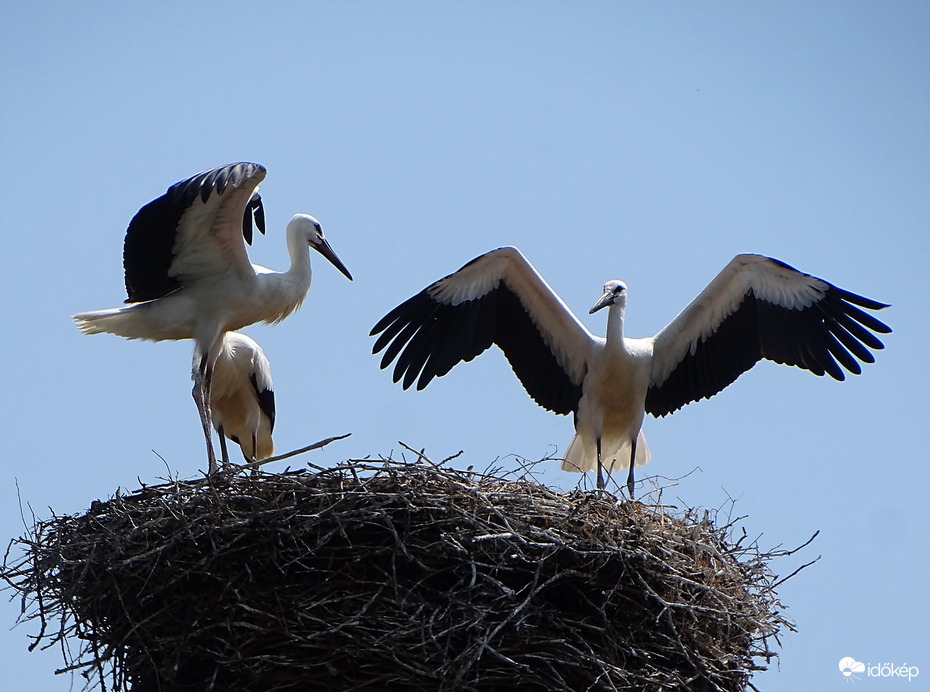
pixel 288 455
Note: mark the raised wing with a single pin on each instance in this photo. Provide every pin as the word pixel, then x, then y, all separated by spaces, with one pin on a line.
pixel 756 308
pixel 497 298
pixel 195 229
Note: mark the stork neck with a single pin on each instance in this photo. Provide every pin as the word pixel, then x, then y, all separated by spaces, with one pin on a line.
pixel 299 252
pixel 615 324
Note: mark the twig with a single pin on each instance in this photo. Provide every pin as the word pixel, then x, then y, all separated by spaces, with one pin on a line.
pixel 288 455
pixel 806 564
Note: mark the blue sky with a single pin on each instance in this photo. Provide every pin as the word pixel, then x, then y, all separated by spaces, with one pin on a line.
pixel 648 142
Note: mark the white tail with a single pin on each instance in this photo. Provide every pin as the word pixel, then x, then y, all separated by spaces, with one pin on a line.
pixel 582 457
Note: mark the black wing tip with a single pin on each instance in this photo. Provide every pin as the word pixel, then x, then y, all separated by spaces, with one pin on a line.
pixel 398 312
pixel 853 302
pixel 265 400
pixel 383 324
pixel 850 332
pixel 254 209
pixel 856 299
pixel 258 209
pixel 847 297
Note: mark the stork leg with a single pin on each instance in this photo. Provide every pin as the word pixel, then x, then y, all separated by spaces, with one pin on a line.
pixel 629 478
pixel 222 435
pixel 207 398
pixel 600 474
pixel 254 456
pixel 201 394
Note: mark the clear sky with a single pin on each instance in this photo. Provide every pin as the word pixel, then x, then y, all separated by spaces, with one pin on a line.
pixel 646 141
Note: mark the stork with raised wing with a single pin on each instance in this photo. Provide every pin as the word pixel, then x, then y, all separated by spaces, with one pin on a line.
pixel 242 397
pixel 188 275
pixel 756 308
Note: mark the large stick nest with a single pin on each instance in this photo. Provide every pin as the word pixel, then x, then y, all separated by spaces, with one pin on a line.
pixel 394 575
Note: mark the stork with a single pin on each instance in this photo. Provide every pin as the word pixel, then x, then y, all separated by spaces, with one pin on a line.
pixel 756 308
pixel 188 274
pixel 242 397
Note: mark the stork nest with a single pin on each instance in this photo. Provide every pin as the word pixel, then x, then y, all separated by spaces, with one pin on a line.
pixel 395 575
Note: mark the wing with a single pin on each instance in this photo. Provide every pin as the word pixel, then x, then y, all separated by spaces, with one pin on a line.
pixel 259 372
pixel 756 308
pixel 195 229
pixel 497 298
pixel 265 399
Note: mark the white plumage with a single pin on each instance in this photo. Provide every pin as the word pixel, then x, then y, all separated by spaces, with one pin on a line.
pixel 242 397
pixel 188 275
pixel 757 307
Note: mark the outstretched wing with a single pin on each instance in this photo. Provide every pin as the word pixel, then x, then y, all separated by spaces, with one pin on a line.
pixel 195 229
pixel 497 298
pixel 756 308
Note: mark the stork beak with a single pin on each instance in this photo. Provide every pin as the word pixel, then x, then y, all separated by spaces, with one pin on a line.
pixel 602 302
pixel 327 252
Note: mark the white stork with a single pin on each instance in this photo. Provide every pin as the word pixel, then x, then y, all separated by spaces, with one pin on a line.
pixel 242 397
pixel 188 275
pixel 756 308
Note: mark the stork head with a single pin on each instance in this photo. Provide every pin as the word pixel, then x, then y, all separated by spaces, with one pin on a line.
pixel 614 294
pixel 310 229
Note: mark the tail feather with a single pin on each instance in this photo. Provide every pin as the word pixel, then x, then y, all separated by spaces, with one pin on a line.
pixel 96 321
pixel 581 456
pixel 265 443
pixel 134 321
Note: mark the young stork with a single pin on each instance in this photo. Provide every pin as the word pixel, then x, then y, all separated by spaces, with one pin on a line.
pixel 242 397
pixel 756 308
pixel 188 275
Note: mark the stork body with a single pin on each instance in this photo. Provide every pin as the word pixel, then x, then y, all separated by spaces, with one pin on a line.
pixel 609 418
pixel 188 275
pixel 756 308
pixel 242 397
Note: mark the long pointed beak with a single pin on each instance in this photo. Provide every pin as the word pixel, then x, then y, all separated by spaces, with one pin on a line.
pixel 602 302
pixel 328 253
